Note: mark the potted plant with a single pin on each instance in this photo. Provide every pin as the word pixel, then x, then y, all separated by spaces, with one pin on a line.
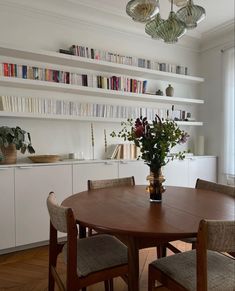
pixel 11 140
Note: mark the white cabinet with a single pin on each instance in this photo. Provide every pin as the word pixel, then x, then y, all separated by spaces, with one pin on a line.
pixel 185 172
pixel 203 168
pixel 138 169
pixel 7 215
pixel 92 171
pixel 32 186
pixel 176 173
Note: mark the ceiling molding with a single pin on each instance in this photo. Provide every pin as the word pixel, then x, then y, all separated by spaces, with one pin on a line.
pixel 219 36
pixel 137 31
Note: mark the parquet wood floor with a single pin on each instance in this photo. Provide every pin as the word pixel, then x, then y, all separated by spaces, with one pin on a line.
pixel 28 270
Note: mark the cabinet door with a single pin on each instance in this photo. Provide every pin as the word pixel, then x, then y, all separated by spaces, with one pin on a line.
pixel 138 169
pixel 203 168
pixel 32 186
pixel 176 173
pixel 7 216
pixel 92 171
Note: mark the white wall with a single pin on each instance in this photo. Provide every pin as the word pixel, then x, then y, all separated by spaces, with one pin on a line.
pixel 212 113
pixel 23 27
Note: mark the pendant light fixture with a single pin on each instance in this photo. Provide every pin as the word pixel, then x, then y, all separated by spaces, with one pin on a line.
pixel 152 25
pixel 142 10
pixel 191 14
pixel 171 29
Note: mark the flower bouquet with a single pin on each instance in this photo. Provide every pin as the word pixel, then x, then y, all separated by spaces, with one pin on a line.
pixel 155 140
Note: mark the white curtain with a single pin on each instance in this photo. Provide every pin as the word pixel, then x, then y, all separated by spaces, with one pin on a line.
pixel 229 114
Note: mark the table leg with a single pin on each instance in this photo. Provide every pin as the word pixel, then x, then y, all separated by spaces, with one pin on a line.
pixel 133 263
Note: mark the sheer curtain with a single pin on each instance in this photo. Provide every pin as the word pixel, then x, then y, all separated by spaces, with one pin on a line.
pixel 229 115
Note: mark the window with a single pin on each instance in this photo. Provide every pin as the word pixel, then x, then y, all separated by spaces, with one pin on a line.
pixel 229 115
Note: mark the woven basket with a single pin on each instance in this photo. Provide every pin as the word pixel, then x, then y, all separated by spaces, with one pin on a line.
pixel 9 154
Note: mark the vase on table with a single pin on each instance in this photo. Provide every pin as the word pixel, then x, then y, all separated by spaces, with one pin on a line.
pixel 155 188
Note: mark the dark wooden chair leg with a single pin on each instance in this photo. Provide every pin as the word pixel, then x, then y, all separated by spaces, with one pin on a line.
pixel 111 285
pixel 106 285
pixel 193 245
pixel 161 251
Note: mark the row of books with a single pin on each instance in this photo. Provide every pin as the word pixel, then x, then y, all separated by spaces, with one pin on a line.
pixel 98 54
pixel 62 107
pixel 126 151
pixel 112 83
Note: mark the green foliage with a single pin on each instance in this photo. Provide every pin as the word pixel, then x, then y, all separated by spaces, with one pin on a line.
pixel 154 139
pixel 17 136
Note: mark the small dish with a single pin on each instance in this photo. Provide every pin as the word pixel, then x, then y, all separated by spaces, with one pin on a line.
pixel 44 158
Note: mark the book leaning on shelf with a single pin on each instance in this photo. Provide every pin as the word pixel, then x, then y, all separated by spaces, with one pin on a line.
pixel 125 151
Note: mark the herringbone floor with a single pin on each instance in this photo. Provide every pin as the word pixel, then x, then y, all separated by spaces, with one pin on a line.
pixel 28 270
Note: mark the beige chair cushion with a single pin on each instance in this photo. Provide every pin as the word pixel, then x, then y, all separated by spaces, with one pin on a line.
pixel 182 269
pixel 97 253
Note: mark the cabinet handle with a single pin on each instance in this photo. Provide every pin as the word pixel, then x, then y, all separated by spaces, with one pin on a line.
pixel 124 162
pixel 26 167
pixel 108 163
pixel 3 169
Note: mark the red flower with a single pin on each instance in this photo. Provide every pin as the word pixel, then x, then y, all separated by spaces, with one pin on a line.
pixel 139 131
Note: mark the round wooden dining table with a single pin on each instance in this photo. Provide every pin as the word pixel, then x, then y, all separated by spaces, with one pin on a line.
pixel 127 213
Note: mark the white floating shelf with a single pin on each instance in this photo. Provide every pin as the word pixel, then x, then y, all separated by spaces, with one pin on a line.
pixel 89 91
pixel 80 118
pixel 97 65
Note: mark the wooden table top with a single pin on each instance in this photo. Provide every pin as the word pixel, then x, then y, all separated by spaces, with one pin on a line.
pixel 127 210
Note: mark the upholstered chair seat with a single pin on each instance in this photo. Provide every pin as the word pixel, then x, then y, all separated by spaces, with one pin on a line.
pixel 182 269
pixel 97 253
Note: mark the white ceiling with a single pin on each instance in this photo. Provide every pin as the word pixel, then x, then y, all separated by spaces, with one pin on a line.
pixel 217 12
pixel 112 13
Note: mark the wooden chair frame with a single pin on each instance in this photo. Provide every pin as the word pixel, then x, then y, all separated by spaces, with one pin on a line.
pixel 201 266
pixel 73 281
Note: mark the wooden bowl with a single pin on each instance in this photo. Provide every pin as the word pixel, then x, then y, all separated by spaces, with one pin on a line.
pixel 44 158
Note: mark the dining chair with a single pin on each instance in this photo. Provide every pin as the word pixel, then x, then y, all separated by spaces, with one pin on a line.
pixel 109 183
pixel 205 185
pixel 88 260
pixel 203 269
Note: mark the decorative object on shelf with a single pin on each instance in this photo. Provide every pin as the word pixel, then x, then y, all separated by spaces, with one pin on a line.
pixel 169 91
pixel 92 142
pixel 171 29
pixel 159 92
pixel 11 140
pixel 105 142
pixel 142 10
pixel 44 158
pixel 155 140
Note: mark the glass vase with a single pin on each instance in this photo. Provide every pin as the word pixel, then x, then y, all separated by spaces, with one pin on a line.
pixel 155 188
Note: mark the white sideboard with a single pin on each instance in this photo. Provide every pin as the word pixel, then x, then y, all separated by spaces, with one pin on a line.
pixel 24 188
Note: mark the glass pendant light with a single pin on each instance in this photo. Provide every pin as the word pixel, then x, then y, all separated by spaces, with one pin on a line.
pixel 191 14
pixel 142 10
pixel 152 25
pixel 171 29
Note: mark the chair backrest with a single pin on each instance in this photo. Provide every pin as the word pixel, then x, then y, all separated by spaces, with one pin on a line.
pixel 108 183
pixel 216 236
pixel 58 214
pixel 202 184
